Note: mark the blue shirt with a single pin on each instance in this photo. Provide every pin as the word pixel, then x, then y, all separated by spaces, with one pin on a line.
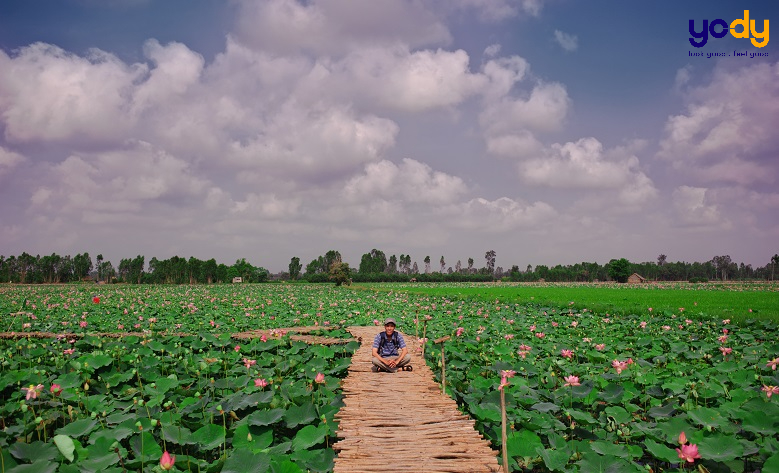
pixel 389 348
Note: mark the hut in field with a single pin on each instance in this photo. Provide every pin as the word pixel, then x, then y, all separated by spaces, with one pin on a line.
pixel 237 279
pixel 636 278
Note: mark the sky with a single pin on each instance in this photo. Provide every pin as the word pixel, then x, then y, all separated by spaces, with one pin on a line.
pixel 550 131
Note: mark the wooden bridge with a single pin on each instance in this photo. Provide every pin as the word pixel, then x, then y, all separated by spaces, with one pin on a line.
pixel 401 422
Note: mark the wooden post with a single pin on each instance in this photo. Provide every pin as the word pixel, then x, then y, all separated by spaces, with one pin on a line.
pixel 503 429
pixel 443 363
pixel 424 334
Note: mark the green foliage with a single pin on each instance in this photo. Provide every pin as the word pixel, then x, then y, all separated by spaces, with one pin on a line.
pixel 619 270
pixel 340 274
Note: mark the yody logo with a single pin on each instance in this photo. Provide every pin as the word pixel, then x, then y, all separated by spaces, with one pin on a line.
pixel 747 25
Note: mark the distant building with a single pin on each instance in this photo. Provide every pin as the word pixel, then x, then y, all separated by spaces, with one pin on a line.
pixel 636 278
pixel 237 279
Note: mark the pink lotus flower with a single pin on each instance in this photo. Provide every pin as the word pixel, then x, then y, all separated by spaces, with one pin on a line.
pixel 508 336
pixel 722 338
pixel 682 438
pixel 540 335
pixel 264 338
pixel 82 324
pixel 725 350
pixel 642 324
pixel 237 348
pixel 574 324
pixel 55 389
pixel 375 322
pixel 620 366
pixel 320 378
pixel 567 354
pixel 249 363
pixel 726 321
pixel 688 453
pixel 505 375
pixel 533 328
pixel 96 300
pixel 572 381
pixel 554 324
pixel 524 347
pixel 167 461
pixel 773 363
pixel 33 391
pixel 460 331
pixel 650 309
pixel 260 382
pixel 666 327
pixel 600 346
pixel 69 351
pixel 770 390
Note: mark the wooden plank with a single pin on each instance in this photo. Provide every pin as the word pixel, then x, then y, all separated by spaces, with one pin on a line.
pixel 401 419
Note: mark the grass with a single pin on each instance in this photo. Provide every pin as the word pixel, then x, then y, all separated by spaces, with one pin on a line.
pixel 736 301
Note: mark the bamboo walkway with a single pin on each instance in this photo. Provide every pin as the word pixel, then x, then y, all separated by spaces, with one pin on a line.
pixel 401 422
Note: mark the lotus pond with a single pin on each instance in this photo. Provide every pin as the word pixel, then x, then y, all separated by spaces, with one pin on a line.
pixel 591 392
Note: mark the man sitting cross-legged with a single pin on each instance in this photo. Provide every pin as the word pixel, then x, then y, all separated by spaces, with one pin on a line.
pixel 389 350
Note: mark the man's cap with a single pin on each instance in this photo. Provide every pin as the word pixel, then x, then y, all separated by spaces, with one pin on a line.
pixel 390 321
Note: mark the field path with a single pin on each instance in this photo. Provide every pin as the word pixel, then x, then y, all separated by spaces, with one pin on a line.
pixel 401 422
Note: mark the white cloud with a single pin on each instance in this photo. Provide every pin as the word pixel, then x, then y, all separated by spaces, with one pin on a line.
pixel 49 94
pixel 728 131
pixel 411 182
pixel 497 10
pixel 9 160
pixel 543 110
pixel 566 41
pixel 692 209
pixel 501 215
pixel 335 27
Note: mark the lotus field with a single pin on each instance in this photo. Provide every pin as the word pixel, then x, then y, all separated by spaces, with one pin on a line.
pixel 148 378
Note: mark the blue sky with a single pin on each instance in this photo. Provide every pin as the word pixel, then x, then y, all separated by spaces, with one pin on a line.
pixel 553 132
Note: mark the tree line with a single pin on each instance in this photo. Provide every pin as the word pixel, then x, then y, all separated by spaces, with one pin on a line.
pixel 374 266
pixel 52 269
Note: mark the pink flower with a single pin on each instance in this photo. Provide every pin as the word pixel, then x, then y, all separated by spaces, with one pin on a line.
pixel 460 331
pixel 260 382
pixel 69 351
pixel 96 300
pixel 567 354
pixel 554 324
pixel 540 335
pixel 600 346
pixel 167 461
pixel 508 336
pixel 55 389
pixel 533 328
pixel 620 366
pixel 508 373
pixel 725 350
pixel 249 363
pixel 264 338
pixel 574 324
pixel 726 321
pixel 666 327
pixel 688 452
pixel 768 390
pixel 33 391
pixel 320 378
pixel 524 347
pixel 643 324
pixel 773 363
pixel 682 439
pixel 572 381
pixel 723 338
pixel 120 327
pixel 375 322
pixel 650 309
pixel 238 348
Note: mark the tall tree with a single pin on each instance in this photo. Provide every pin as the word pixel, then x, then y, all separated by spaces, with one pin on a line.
pixel 458 266
pixel 470 265
pixel 340 273
pixel 294 268
pixel 393 265
pixel 427 264
pixel 774 264
pixel 619 269
pixel 443 264
pixel 661 260
pixel 490 258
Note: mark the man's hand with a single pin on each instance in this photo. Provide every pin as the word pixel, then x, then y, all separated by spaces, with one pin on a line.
pixel 391 363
